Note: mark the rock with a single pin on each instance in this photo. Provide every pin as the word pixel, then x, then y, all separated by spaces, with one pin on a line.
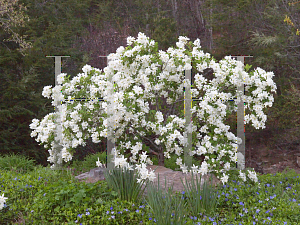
pixel 95 174
pixel 82 176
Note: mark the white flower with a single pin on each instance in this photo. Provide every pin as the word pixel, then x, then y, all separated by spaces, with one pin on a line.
pixel 142 39
pixel 130 40
pixel 179 161
pixel 242 175
pixel 61 78
pixel 143 157
pixel 183 39
pixel 252 176
pixel 86 69
pixel 224 179
pixel 180 45
pixel 99 164
pixel 121 49
pixel 197 43
pixel 47 91
pixel 2 201
pixel 227 166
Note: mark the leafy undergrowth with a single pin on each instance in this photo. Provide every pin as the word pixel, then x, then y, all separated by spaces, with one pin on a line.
pixel 43 196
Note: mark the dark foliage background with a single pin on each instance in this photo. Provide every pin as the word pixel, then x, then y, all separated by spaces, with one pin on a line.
pixel 87 29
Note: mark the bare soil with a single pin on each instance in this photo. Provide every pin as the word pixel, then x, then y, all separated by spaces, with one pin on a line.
pixel 275 155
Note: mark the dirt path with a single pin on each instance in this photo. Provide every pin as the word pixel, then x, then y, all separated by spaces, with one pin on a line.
pixel 173 178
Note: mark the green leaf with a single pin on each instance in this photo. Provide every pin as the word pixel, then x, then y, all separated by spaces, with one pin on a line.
pixel 113 193
pixel 248 67
pixel 57 209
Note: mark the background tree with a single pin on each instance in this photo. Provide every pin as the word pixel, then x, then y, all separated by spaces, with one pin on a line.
pixel 288 20
pixel 86 29
pixel 11 17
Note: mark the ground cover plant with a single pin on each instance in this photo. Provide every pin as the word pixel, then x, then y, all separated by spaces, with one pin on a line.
pixel 38 195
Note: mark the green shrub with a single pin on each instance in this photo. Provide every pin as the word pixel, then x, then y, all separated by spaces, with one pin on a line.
pixel 18 163
pixel 91 159
pixel 171 163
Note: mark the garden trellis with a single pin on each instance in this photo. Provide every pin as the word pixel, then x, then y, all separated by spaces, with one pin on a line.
pixel 111 138
pixel 58 128
pixel 58 131
pixel 240 120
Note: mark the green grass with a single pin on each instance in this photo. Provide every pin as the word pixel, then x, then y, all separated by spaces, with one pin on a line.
pixel 39 195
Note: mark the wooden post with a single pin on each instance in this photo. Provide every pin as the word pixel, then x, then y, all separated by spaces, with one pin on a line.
pixel 240 120
pixel 58 133
pixel 187 115
pixel 110 125
pixel 58 139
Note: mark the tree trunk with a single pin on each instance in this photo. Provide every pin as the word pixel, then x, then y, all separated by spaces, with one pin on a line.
pixel 161 157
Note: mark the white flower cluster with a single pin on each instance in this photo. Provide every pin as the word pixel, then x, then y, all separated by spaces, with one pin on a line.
pixel 2 201
pixel 131 105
